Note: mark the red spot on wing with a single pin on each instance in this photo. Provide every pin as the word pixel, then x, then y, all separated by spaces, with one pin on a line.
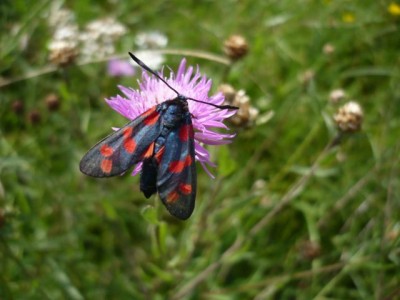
pixel 106 150
pixel 185 188
pixel 159 154
pixel 151 119
pixel 149 112
pixel 129 145
pixel 172 197
pixel 106 165
pixel 177 166
pixel 149 151
pixel 128 132
pixel 185 132
pixel 129 142
pixel 188 160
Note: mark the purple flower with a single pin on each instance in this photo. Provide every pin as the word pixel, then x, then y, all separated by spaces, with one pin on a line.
pixel 191 84
pixel 119 67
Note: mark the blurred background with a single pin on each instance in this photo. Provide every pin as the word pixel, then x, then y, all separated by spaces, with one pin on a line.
pixel 305 203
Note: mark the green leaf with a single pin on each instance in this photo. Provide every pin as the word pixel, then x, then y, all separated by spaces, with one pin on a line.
pixel 162 236
pixel 150 214
pixel 109 210
pixel 226 165
pixel 62 278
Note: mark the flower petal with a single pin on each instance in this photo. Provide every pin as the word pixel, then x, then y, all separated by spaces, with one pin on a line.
pixel 207 171
pixel 120 105
pixel 137 169
pixel 119 67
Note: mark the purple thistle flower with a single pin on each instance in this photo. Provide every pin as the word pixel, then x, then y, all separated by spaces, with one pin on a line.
pixel 191 84
pixel 119 67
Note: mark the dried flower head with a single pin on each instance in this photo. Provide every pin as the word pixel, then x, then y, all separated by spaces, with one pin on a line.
pixel 336 96
pixel 247 114
pixel 349 117
pixel 309 250
pixel 259 186
pixel 192 84
pixel 392 233
pixel 34 117
pixel 96 41
pixel 63 47
pixel 306 77
pixel 62 52
pixel 328 49
pixel 64 44
pixel 235 47
pixel 18 107
pixel 52 102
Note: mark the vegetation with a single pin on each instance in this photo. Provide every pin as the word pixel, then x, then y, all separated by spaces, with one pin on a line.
pixel 299 208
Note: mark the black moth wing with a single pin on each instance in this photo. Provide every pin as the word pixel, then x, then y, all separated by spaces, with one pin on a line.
pixel 119 151
pixel 176 178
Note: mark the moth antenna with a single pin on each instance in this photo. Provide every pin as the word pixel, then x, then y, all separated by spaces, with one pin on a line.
pixel 144 66
pixel 217 106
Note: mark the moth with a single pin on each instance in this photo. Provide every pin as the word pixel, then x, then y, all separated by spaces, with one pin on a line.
pixel 162 138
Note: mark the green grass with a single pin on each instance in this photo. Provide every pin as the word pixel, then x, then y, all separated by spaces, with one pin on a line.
pixel 287 217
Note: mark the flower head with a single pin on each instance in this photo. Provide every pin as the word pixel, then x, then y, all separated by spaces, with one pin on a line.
pixel 63 46
pixel 348 17
pixel 246 114
pixel 190 83
pixel 236 47
pixel 18 107
pixel 349 117
pixel 394 9
pixel 328 49
pixel 119 67
pixel 337 95
pixel 99 38
pixel 151 40
pixel 52 102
